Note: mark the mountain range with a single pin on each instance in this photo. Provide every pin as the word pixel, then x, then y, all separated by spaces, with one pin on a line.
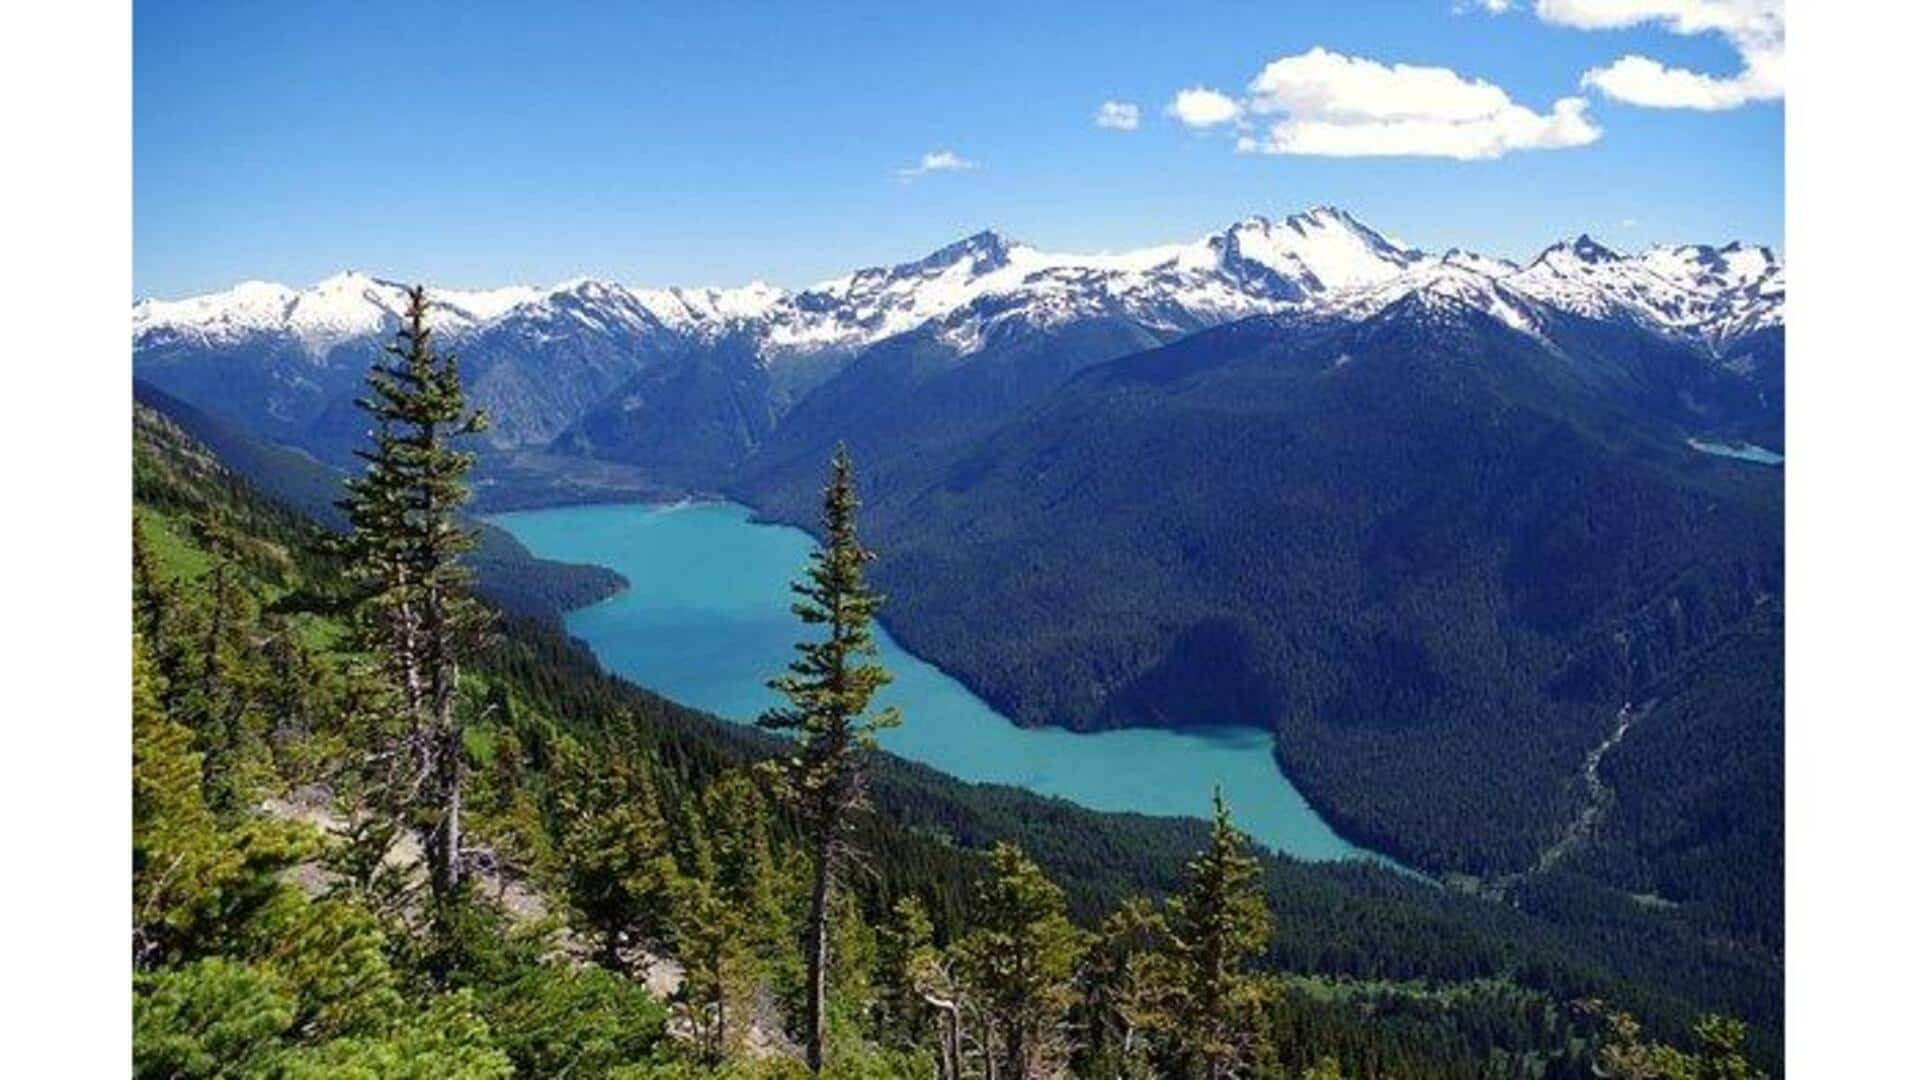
pixel 689 382
pixel 1437 520
pixel 1323 260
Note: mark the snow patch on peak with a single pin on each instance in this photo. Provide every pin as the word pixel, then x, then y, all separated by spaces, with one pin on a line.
pixel 1479 264
pixel 344 307
pixel 711 310
pixel 482 305
pixel 1450 286
pixel 1691 290
pixel 245 307
pixel 1582 250
pixel 1324 248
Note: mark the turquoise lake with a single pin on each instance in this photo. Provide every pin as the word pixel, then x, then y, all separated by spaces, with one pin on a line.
pixel 707 622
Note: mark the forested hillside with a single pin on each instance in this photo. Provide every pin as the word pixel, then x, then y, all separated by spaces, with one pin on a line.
pixel 1434 554
pixel 505 572
pixel 636 879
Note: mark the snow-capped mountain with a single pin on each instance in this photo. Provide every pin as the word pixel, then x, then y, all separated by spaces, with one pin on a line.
pixel 1452 283
pixel 1322 259
pixel 1711 294
pixel 595 367
pixel 342 308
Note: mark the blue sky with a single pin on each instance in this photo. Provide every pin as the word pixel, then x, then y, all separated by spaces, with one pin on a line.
pixel 479 144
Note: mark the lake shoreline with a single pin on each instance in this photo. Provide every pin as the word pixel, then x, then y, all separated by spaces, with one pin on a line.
pixel 711 644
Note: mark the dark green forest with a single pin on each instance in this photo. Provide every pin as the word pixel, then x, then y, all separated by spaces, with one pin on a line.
pixel 632 885
pixel 1434 556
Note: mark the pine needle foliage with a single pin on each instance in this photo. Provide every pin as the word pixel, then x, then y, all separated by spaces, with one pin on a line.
pixel 406 545
pixel 1220 924
pixel 829 688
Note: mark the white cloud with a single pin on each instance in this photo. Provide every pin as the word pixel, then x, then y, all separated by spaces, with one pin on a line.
pixel 1491 7
pixel 1117 115
pixel 1200 107
pixel 1757 30
pixel 1333 105
pixel 936 161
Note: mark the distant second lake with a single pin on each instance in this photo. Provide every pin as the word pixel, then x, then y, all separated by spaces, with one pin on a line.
pixel 707 621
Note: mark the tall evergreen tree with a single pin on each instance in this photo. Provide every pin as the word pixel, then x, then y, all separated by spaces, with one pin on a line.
pixel 1018 964
pixel 713 937
pixel 902 1017
pixel 611 844
pixel 152 594
pixel 739 853
pixel 1219 923
pixel 407 543
pixel 1131 992
pixel 829 688
pixel 222 702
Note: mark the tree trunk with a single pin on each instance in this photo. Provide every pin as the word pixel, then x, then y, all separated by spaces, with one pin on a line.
pixel 817 950
pixel 451 855
pixel 947 1021
pixel 950 1044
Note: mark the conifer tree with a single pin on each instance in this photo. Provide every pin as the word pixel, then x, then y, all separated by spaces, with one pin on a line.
pixel 712 936
pixel 612 847
pixel 407 543
pixel 1219 923
pixel 1722 1055
pixel 727 925
pixel 172 826
pixel 902 1016
pixel 1624 1054
pixel 1018 963
pixel 194 883
pixel 829 688
pixel 1131 993
pixel 918 991
pixel 152 595
pixel 740 853
pixel 222 703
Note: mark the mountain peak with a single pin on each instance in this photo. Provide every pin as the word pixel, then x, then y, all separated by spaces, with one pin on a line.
pixel 987 248
pixel 1583 248
pixel 1318 249
pixel 1326 214
pixel 1326 217
pixel 590 287
pixel 1591 250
